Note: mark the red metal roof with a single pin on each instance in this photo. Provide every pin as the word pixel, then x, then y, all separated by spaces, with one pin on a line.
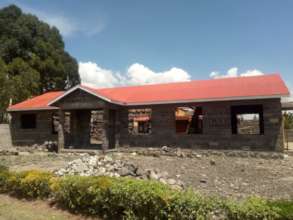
pixel 37 103
pixel 198 90
pixel 237 88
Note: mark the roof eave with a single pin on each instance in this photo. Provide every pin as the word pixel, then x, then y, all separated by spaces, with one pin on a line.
pixel 85 90
pixel 32 109
pixel 206 100
pixel 156 103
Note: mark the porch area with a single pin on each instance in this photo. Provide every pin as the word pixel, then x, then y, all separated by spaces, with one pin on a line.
pixel 87 129
pixel 85 122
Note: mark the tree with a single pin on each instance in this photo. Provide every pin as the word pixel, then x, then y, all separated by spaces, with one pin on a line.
pixel 22 78
pixel 32 58
pixel 4 89
pixel 34 55
pixel 288 120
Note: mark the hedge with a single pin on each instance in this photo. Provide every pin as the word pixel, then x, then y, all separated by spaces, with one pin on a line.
pixel 127 198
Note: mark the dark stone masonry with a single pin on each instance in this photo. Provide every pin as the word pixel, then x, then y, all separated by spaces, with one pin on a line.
pixel 217 129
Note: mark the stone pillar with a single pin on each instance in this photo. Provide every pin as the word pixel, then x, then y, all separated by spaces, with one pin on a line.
pixel 112 128
pixel 105 135
pixel 117 129
pixel 283 138
pixel 61 138
pixel 73 129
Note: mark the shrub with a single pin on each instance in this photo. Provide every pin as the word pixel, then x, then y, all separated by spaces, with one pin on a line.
pixel 285 208
pixel 83 194
pixel 29 184
pixel 36 184
pixel 132 199
pixel 190 205
pixel 4 176
pixel 13 183
pixel 253 208
pixel 140 198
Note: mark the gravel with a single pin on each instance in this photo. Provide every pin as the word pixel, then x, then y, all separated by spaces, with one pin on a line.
pixel 108 166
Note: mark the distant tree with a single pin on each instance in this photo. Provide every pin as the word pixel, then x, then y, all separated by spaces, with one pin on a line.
pixel 4 89
pixel 32 58
pixel 22 78
pixel 288 120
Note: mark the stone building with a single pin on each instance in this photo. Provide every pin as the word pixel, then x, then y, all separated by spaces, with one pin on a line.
pixel 230 113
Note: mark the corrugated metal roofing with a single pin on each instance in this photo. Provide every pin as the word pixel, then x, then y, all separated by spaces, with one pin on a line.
pixel 37 103
pixel 266 86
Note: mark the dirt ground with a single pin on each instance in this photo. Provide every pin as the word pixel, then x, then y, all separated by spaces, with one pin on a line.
pixel 37 160
pixel 15 209
pixel 229 176
pixel 226 176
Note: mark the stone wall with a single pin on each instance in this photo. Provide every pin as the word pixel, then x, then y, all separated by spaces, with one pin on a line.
pixel 40 134
pixel 5 137
pixel 81 100
pixel 289 135
pixel 217 132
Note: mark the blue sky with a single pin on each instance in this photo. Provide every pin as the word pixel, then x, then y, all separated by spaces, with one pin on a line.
pixel 131 39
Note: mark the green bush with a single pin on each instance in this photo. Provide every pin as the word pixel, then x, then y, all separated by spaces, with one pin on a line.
pixel 253 208
pixel 36 184
pixel 13 184
pixel 4 176
pixel 132 199
pixel 30 184
pixel 82 194
pixel 285 209
pixel 190 205
pixel 144 199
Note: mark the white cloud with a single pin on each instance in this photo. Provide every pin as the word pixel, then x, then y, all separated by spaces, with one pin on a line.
pixel 66 26
pixel 233 72
pixel 252 73
pixel 137 74
pixel 93 75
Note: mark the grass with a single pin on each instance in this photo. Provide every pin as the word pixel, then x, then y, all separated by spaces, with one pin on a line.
pixel 15 209
pixel 286 208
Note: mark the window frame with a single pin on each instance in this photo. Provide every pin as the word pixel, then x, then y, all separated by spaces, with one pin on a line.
pixel 246 109
pixel 194 107
pixel 149 112
pixel 144 124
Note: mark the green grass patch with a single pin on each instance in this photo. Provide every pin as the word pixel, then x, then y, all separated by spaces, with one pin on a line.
pixel 285 208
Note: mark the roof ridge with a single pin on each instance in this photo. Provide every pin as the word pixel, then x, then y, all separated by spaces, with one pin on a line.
pixel 178 82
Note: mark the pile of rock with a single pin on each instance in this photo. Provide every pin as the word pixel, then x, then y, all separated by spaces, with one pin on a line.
pixel 47 146
pixel 51 146
pixel 107 166
pixel 11 152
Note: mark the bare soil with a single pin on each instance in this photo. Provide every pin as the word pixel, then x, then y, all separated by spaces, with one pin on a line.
pixel 235 177
pixel 226 176
pixel 15 209
pixel 37 160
